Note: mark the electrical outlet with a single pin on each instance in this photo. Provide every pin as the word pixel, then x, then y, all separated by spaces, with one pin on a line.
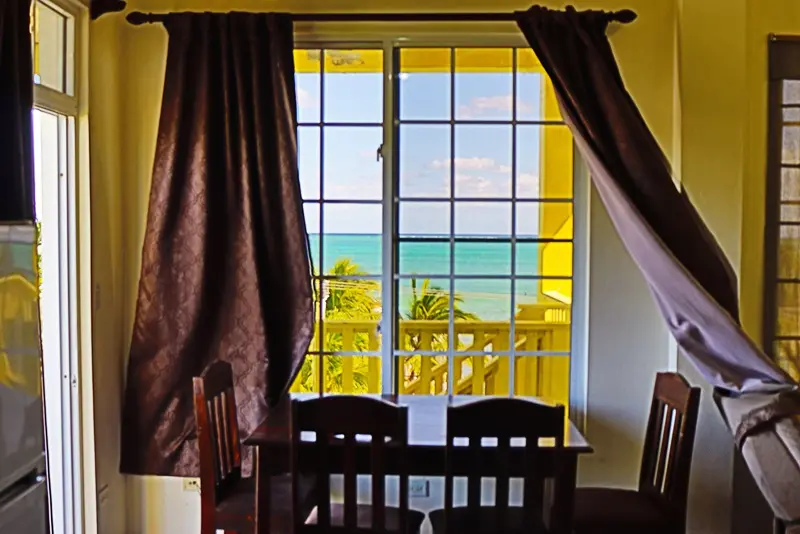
pixel 419 487
pixel 191 484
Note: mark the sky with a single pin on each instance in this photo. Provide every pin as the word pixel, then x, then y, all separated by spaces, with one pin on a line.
pixel 482 153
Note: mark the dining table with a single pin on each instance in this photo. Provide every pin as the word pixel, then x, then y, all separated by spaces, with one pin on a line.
pixel 427 430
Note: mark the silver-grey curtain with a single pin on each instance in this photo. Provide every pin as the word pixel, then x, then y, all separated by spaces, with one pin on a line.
pixel 689 276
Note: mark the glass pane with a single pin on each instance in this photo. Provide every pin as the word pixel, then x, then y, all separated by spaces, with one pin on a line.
pixel 49 50
pixel 47 141
pixel 423 375
pixel 424 258
pixel 558 294
pixel 482 259
pixel 791 145
pixel 790 213
pixel 544 162
pixel 424 310
pixel 353 86
pixel 532 105
pixel 308 150
pixel 424 219
pixel 424 299
pixel 484 326
pixel 424 84
pixel 789 252
pixel 478 219
pixel 307 380
pixel 791 114
pixel 544 220
pixel 529 95
pixel 791 91
pixel 352 239
pixel 311 212
pixel 544 377
pixel 352 374
pixel 424 161
pixel 482 161
pixel 307 80
pixel 544 300
pixel 352 169
pixel 352 310
pixel 483 84
pixel 790 184
pixel 544 259
pixel 484 300
pixel 788 298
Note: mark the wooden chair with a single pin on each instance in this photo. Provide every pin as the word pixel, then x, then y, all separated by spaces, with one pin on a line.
pixel 659 505
pixel 503 419
pixel 337 422
pixel 227 499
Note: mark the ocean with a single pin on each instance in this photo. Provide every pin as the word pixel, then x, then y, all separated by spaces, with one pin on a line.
pixel 489 299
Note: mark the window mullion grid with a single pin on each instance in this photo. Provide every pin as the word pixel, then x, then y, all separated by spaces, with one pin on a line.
pixel 512 335
pixel 451 344
pixel 321 214
pixel 390 378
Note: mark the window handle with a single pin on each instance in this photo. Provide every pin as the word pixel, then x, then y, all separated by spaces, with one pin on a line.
pixel 379 153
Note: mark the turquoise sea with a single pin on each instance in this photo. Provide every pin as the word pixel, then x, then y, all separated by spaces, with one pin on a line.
pixel 489 298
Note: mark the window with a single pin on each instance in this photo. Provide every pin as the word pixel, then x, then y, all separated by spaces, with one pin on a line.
pixel 782 239
pixel 438 195
pixel 54 147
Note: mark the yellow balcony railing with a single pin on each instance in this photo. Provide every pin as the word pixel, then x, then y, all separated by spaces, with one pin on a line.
pixel 544 329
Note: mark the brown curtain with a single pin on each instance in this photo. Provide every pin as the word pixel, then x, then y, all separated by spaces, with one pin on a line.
pixel 16 105
pixel 225 268
pixel 691 280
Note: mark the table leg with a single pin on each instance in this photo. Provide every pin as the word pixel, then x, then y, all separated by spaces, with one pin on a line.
pixel 262 492
pixel 565 483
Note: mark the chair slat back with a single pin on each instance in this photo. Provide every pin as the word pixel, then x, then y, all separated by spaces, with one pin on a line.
pixel 669 443
pixel 217 431
pixel 342 425
pixel 503 419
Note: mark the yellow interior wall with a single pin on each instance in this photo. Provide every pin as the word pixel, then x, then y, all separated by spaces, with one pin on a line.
pixel 720 148
pixel 713 72
pixel 128 69
pixel 108 269
pixel 779 17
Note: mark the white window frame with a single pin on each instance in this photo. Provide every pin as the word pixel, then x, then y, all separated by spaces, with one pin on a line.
pixel 73 266
pixel 470 35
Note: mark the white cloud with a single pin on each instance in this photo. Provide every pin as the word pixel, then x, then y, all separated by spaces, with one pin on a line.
pixel 528 185
pixel 364 188
pixel 471 185
pixel 487 105
pixel 465 164
pixel 305 100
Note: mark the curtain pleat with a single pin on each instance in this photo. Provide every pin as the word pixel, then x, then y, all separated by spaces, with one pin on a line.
pixel 225 267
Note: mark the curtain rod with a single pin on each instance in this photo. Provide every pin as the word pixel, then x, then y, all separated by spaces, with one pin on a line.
pixel 624 16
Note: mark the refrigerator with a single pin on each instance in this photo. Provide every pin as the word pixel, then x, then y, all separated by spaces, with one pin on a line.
pixel 23 483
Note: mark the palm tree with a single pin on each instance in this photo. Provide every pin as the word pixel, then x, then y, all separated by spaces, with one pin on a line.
pixel 431 303
pixel 344 299
pixel 351 299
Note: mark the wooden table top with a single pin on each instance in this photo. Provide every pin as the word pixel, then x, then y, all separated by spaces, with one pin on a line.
pixel 427 422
